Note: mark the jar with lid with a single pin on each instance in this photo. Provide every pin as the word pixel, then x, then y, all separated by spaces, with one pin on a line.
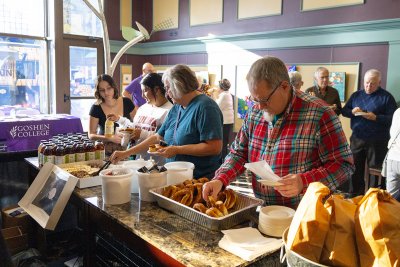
pixel 90 151
pixel 69 153
pixel 59 155
pixel 40 152
pixel 48 154
pixel 80 152
pixel 100 150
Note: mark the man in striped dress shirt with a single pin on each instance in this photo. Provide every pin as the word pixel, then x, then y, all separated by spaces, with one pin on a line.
pixel 298 135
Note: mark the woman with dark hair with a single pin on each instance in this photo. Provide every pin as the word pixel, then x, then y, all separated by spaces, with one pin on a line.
pixel 108 101
pixel 192 129
pixel 151 115
pixel 224 100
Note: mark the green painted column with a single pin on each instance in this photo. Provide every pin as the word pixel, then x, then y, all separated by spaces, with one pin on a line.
pixel 393 72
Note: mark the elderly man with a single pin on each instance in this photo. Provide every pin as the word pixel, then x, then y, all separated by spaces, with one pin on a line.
pixel 134 89
pixel 296 134
pixel 327 93
pixel 370 112
pixel 296 81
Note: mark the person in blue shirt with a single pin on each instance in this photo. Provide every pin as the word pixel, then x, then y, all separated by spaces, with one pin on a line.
pixel 370 112
pixel 192 129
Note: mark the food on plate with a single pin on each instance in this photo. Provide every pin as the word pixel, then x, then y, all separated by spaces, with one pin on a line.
pixel 81 170
pixel 189 193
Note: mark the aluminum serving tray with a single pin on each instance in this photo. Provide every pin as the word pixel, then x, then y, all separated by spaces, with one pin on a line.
pixel 244 207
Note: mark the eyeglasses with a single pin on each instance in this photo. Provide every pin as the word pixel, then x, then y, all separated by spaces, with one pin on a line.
pixel 265 100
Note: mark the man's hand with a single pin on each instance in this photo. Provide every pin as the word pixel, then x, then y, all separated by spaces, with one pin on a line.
pixel 212 188
pixel 370 116
pixel 292 185
pixel 356 109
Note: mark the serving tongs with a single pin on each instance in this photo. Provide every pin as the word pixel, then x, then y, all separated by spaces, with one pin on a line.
pixel 105 166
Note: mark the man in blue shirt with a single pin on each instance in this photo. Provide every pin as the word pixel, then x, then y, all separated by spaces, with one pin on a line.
pixel 370 112
pixel 134 90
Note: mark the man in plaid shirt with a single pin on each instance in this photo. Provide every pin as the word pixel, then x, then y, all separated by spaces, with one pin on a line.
pixel 298 135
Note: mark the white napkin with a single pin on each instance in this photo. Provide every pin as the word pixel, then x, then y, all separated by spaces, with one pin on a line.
pixel 248 243
pixel 263 170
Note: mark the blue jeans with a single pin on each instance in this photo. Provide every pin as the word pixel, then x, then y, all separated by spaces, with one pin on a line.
pixel 393 177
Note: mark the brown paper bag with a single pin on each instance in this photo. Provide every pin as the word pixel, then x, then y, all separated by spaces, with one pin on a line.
pixel 310 223
pixel 377 226
pixel 340 248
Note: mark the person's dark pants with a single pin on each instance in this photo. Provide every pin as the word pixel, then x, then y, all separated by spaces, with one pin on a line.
pixel 371 151
pixel 227 133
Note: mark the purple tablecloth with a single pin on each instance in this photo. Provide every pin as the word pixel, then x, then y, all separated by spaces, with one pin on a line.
pixel 24 134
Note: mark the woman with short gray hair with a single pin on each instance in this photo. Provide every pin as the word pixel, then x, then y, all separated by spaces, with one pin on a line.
pixel 192 129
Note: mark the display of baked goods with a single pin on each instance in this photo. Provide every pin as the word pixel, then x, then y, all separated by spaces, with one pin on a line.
pixel 189 193
pixel 81 170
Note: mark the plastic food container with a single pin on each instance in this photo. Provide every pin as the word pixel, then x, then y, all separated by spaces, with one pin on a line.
pixel 116 185
pixel 179 171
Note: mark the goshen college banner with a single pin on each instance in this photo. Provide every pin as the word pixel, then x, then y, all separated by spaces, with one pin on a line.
pixel 32 130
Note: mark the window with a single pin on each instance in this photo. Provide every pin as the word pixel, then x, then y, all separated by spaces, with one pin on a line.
pixel 79 19
pixel 22 17
pixel 23 72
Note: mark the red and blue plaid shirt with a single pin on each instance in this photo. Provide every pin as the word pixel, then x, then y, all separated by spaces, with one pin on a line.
pixel 307 139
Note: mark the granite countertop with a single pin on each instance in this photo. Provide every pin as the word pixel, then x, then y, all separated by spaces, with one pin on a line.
pixel 183 240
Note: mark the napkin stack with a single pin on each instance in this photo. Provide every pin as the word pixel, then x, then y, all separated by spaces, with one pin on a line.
pixel 248 243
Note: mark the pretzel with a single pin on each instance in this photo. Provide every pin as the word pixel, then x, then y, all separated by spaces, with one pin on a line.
pixel 197 198
pixel 202 180
pixel 177 196
pixel 214 212
pixel 169 191
pixel 228 197
pixel 221 207
pixel 200 207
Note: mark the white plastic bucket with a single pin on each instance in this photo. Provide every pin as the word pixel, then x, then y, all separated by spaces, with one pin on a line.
pixel 135 165
pixel 116 185
pixel 149 181
pixel 179 171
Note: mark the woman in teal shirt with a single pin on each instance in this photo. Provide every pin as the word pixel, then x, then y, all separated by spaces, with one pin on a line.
pixel 192 129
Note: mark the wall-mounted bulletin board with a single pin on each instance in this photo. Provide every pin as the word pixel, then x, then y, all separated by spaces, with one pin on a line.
pixel 166 14
pixel 206 12
pixel 126 75
pixel 307 5
pixel 258 8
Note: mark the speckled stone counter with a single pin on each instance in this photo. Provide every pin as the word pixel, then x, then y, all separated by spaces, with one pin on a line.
pixel 186 242
pixel 156 233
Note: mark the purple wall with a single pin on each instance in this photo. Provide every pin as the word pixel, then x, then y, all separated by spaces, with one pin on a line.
pixel 371 56
pixel 291 17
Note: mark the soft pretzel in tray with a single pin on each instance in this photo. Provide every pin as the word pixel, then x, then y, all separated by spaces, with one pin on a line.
pixel 189 193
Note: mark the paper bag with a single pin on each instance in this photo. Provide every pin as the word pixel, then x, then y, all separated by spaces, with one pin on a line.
pixel 310 223
pixel 377 226
pixel 340 248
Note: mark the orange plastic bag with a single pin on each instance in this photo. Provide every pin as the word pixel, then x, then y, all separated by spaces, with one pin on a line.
pixel 377 226
pixel 340 248
pixel 310 223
